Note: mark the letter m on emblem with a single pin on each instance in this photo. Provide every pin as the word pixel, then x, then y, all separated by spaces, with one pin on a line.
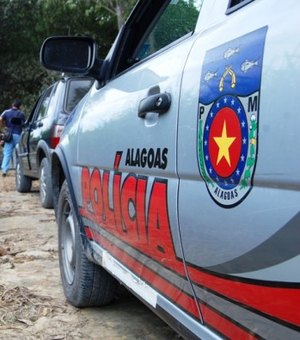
pixel 252 104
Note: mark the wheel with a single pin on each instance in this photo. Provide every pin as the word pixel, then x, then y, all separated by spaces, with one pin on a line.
pixel 23 183
pixel 85 284
pixel 46 192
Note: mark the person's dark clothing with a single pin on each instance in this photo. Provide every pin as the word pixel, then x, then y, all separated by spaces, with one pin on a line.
pixel 13 113
pixel 13 120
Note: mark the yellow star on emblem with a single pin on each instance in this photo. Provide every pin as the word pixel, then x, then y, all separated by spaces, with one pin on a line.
pixel 224 142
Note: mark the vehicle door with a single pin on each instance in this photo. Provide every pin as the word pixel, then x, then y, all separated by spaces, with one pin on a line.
pixel 239 191
pixel 37 127
pixel 128 155
pixel 22 147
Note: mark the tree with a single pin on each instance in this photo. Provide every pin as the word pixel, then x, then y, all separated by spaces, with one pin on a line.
pixel 18 57
pixel 25 24
pixel 119 8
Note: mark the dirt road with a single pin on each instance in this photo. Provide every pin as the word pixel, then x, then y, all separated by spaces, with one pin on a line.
pixel 32 304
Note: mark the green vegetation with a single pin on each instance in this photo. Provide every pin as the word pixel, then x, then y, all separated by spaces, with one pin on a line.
pixel 25 24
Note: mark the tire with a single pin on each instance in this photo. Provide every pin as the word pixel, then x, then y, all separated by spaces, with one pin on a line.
pixel 46 191
pixel 23 183
pixel 85 284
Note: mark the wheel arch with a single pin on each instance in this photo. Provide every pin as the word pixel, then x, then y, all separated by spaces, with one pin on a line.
pixel 43 150
pixel 60 173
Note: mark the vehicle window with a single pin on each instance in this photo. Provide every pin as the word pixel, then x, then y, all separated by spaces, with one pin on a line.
pixel 77 89
pixel 236 4
pixel 31 115
pixel 178 19
pixel 42 111
pixel 52 105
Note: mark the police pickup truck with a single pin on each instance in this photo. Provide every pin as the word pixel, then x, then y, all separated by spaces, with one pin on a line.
pixel 178 175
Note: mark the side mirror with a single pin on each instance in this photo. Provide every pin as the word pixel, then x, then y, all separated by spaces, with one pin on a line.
pixel 69 54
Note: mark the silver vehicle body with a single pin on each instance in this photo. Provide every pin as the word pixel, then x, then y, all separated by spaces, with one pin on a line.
pixel 196 208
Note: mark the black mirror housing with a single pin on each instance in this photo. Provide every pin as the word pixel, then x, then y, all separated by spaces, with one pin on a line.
pixel 69 54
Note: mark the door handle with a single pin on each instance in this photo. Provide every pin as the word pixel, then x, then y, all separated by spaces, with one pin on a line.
pixel 159 103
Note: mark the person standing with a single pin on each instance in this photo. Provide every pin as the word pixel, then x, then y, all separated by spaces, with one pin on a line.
pixel 13 119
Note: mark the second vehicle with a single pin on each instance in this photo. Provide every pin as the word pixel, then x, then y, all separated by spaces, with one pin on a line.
pixel 42 132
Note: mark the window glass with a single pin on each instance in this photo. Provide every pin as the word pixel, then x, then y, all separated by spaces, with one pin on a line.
pixel 42 112
pixel 236 4
pixel 178 19
pixel 77 90
pixel 53 101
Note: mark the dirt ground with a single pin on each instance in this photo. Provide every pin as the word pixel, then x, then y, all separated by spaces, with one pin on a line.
pixel 32 304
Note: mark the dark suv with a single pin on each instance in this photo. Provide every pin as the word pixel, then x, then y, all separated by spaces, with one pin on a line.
pixel 42 132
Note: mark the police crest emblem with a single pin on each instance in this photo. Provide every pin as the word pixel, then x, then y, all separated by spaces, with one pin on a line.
pixel 228 117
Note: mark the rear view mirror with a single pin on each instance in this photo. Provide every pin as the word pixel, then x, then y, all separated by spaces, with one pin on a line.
pixel 68 54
